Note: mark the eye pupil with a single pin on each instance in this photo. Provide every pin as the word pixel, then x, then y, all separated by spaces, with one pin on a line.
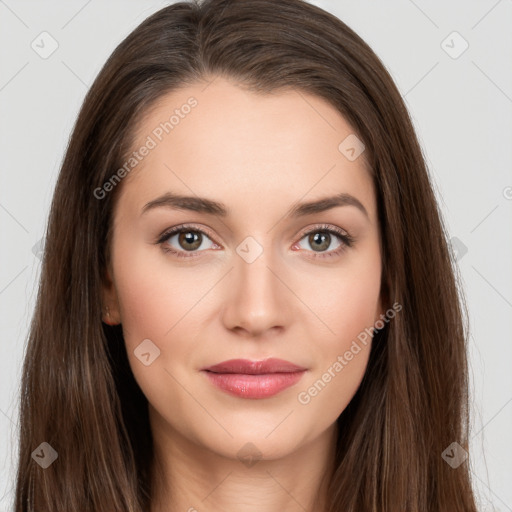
pixel 318 240
pixel 190 237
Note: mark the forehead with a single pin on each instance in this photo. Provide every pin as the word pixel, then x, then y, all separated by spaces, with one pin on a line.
pixel 219 140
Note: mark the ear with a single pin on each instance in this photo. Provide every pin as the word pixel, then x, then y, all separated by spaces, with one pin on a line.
pixel 110 311
pixel 384 303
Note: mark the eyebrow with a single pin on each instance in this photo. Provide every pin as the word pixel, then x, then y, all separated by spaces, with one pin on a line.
pixel 208 206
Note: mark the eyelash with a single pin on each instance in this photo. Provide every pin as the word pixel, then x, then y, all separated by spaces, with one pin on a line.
pixel 346 239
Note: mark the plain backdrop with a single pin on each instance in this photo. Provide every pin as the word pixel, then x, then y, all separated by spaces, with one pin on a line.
pixel 452 62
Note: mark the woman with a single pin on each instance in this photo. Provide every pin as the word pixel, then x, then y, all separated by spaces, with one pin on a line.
pixel 246 283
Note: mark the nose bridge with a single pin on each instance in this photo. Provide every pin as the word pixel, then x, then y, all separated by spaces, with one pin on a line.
pixel 256 296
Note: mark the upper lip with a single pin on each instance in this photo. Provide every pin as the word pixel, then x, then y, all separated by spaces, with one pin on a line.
pixel 245 366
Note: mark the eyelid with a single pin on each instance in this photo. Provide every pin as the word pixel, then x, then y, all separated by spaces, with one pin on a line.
pixel 182 227
pixel 323 227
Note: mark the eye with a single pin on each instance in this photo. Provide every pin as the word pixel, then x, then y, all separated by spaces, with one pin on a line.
pixel 322 237
pixel 186 240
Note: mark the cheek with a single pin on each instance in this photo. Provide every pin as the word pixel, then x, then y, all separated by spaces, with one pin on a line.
pixel 148 305
pixel 151 303
pixel 142 308
pixel 157 302
pixel 349 305
pixel 347 298
pixel 355 306
pixel 342 358
pixel 152 296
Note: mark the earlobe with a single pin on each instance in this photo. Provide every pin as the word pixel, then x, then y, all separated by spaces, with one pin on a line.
pixel 384 303
pixel 380 318
pixel 110 306
pixel 106 316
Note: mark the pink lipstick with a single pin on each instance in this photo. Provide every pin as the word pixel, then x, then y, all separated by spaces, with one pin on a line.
pixel 254 379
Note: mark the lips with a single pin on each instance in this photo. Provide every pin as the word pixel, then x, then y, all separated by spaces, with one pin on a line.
pixel 244 366
pixel 254 379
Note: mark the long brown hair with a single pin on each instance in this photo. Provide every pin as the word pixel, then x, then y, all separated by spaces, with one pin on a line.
pixel 78 393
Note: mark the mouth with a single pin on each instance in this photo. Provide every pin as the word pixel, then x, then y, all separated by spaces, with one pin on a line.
pixel 254 379
pixel 248 367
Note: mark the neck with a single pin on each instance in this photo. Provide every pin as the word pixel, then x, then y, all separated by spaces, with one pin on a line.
pixel 193 478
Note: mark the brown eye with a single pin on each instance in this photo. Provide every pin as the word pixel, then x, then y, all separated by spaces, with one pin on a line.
pixel 322 241
pixel 190 240
pixel 185 241
pixel 319 241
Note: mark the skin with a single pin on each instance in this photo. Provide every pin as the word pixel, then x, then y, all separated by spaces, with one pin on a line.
pixel 259 155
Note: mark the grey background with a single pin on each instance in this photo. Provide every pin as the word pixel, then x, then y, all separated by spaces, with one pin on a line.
pixel 461 108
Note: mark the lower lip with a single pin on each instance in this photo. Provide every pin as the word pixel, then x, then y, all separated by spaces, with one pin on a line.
pixel 254 386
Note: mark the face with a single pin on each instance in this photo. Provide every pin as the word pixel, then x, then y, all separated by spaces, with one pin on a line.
pixel 249 273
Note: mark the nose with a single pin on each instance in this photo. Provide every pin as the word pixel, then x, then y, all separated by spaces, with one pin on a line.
pixel 257 299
